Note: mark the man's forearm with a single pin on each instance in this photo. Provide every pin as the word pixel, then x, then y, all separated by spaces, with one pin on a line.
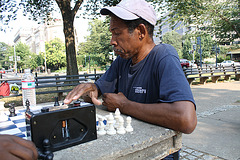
pixel 179 116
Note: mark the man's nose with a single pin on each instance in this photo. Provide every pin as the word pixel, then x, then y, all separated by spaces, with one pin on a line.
pixel 113 42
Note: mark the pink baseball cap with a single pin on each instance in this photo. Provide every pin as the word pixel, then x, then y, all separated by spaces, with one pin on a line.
pixel 131 10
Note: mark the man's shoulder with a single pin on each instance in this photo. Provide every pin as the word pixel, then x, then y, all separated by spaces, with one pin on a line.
pixel 163 50
pixel 166 48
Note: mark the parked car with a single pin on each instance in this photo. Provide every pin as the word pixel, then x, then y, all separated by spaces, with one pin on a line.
pixel 2 71
pixel 184 63
pixel 229 63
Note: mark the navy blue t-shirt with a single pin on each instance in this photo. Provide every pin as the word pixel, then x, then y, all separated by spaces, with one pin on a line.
pixel 157 78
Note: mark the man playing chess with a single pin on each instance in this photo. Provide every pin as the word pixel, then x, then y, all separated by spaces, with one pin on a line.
pixel 146 81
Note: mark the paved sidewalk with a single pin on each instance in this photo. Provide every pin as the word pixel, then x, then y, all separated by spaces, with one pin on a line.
pixel 192 154
pixel 217 135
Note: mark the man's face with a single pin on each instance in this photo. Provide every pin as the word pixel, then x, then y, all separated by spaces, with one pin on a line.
pixel 125 43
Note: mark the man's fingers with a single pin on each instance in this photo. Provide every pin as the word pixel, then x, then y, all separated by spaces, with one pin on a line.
pixel 17 148
pixel 96 101
pixel 24 152
pixel 29 149
pixel 77 92
pixel 73 95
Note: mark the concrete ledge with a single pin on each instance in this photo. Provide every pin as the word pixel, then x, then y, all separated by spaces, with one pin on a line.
pixel 147 141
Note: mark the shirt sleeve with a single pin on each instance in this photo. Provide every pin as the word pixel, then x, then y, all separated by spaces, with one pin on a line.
pixel 173 83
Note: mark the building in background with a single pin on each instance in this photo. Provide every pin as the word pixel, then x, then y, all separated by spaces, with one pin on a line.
pixel 36 37
pixel 22 34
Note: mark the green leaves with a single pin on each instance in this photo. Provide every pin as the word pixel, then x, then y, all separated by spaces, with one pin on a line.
pixel 216 17
pixel 97 44
pixel 55 54
pixel 175 40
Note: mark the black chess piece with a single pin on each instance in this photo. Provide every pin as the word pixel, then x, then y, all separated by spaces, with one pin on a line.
pixel 47 154
pixel 12 110
pixel 47 149
pixel 56 102
pixel 27 103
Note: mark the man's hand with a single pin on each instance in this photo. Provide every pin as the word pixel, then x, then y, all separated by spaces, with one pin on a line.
pixel 13 147
pixel 89 89
pixel 113 101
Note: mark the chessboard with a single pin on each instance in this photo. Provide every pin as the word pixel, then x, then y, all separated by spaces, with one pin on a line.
pixel 15 125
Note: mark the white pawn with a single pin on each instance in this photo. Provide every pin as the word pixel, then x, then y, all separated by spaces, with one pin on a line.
pixel 101 127
pixel 121 129
pixel 111 130
pixel 107 124
pixel 117 115
pixel 129 128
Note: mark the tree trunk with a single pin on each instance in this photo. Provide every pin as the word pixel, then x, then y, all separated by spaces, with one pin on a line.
pixel 72 68
pixel 68 15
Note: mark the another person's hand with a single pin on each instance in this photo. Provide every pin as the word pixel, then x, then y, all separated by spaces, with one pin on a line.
pixel 113 101
pixel 13 147
pixel 89 89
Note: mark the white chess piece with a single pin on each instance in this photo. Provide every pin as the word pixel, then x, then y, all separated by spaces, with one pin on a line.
pixel 111 130
pixel 129 128
pixel 107 124
pixel 121 129
pixel 117 115
pixel 101 127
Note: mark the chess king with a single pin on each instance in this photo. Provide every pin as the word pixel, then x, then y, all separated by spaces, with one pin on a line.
pixel 146 81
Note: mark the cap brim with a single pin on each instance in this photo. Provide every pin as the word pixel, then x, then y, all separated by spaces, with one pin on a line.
pixel 119 12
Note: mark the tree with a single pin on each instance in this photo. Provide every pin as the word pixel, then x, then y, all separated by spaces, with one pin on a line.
pixel 55 54
pixel 3 55
pixel 8 10
pixel 27 58
pixel 97 44
pixel 187 49
pixel 175 40
pixel 41 11
pixel 217 17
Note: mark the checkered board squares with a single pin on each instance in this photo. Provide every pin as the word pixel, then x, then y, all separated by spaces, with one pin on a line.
pixel 14 125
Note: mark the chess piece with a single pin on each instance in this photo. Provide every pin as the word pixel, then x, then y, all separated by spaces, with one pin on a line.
pixel 101 127
pixel 12 110
pixel 46 154
pixel 129 128
pixel 111 130
pixel 56 102
pixel 27 105
pixel 117 116
pixel 107 124
pixel 121 129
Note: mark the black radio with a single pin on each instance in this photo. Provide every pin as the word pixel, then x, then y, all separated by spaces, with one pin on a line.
pixel 55 128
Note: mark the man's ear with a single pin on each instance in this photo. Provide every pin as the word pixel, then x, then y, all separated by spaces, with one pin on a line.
pixel 142 31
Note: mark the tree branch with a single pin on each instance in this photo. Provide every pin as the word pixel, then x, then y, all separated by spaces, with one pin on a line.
pixel 233 27
pixel 76 7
